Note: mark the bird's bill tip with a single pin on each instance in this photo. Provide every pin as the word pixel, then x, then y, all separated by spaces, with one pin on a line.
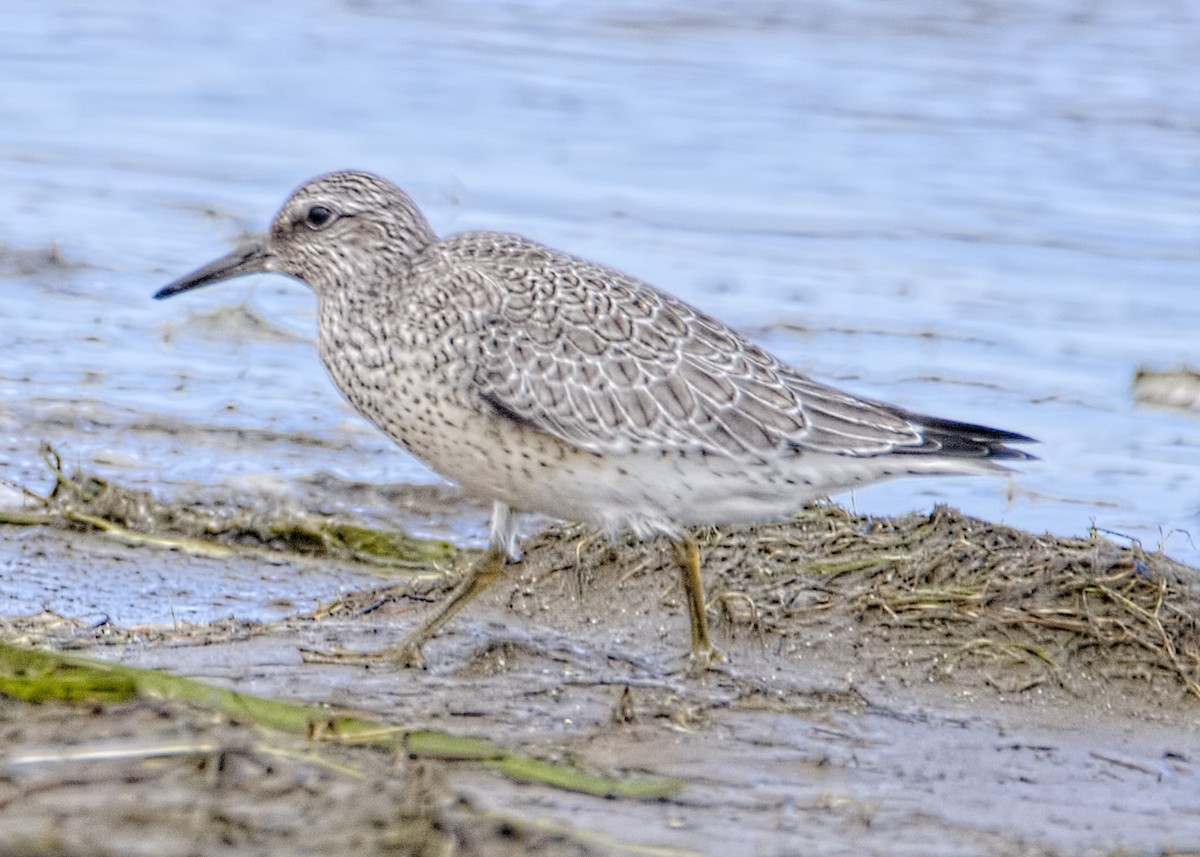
pixel 249 258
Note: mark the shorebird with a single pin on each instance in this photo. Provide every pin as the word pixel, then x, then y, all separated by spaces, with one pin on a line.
pixel 549 383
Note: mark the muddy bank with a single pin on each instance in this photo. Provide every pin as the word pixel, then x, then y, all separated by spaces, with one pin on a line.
pixel 919 685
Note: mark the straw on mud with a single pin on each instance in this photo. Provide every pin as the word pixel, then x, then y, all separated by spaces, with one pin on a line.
pixel 136 517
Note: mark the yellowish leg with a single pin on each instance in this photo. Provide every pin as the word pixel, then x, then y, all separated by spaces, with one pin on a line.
pixel 704 653
pixel 407 652
pixel 480 576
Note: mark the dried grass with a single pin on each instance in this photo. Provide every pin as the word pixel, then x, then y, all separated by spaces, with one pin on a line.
pixel 976 589
pixel 82 501
pixel 944 593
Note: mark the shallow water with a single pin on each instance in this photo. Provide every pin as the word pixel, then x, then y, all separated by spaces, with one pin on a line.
pixel 984 212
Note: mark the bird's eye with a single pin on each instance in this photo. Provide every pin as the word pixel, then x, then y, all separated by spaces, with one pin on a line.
pixel 318 216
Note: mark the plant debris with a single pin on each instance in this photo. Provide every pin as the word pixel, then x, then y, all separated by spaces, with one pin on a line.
pixel 948 590
pixel 1171 388
pixel 39 677
pixel 81 500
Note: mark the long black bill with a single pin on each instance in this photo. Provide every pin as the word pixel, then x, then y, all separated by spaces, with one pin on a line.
pixel 249 258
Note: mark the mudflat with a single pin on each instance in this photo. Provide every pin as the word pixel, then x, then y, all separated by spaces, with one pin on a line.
pixel 927 684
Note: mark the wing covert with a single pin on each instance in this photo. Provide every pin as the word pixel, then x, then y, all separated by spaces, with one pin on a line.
pixel 610 365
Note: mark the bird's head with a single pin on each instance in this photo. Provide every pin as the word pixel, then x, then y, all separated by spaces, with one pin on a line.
pixel 340 230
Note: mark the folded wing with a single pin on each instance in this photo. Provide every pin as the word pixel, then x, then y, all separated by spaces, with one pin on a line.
pixel 610 365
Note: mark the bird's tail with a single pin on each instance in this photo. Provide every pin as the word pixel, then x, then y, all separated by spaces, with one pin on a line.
pixel 966 440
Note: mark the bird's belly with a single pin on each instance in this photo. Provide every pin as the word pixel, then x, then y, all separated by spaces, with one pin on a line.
pixel 662 492
pixel 643 492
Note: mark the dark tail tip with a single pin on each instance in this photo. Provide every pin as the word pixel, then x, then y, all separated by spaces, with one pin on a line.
pixel 967 440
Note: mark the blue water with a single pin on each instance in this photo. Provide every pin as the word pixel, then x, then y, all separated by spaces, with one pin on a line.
pixel 986 212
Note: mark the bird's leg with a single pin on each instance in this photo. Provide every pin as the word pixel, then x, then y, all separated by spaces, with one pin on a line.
pixel 704 653
pixel 407 652
pixel 486 571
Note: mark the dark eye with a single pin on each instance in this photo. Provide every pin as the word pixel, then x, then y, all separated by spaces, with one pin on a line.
pixel 318 216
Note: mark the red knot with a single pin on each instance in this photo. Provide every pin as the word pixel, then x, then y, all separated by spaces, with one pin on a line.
pixel 548 383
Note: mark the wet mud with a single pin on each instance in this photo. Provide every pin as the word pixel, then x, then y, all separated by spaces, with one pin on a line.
pixel 927 684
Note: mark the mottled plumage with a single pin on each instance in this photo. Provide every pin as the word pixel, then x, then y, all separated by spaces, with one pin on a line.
pixel 552 384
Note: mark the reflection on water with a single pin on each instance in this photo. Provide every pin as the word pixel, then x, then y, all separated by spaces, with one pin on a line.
pixel 986 212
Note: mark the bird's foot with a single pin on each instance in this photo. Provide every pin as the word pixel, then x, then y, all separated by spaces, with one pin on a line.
pixel 400 655
pixel 704 658
pixel 407 656
pixel 338 656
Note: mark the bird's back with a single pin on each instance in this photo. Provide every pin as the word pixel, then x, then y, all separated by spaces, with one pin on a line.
pixel 610 364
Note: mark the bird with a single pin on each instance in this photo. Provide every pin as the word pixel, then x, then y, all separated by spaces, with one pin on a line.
pixel 548 383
